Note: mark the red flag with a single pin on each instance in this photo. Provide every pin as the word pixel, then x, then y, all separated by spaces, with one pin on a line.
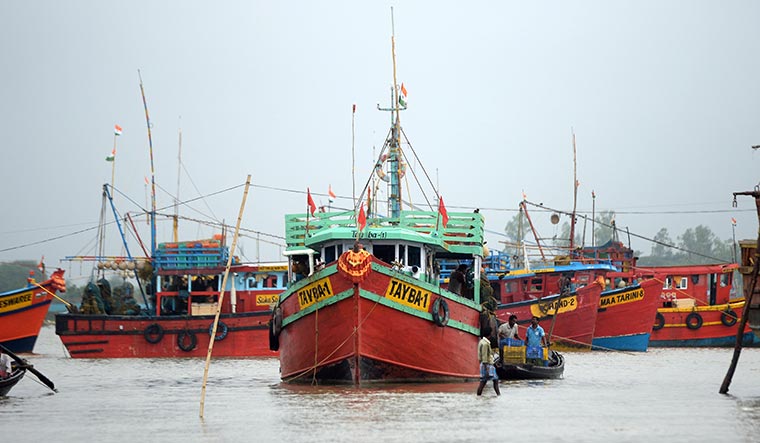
pixel 310 202
pixel 41 265
pixel 442 211
pixel 361 220
pixel 733 221
pixel 354 108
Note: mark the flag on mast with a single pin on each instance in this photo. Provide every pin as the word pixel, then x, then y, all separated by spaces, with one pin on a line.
pixel 733 221
pixel 330 194
pixel 41 265
pixel 310 202
pixel 442 211
pixel 116 130
pixel 402 96
pixel 111 157
pixel 361 220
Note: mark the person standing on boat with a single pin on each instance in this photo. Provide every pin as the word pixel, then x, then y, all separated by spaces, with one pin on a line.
pixel 508 331
pixel 5 366
pixel 485 357
pixel 457 279
pixel 535 337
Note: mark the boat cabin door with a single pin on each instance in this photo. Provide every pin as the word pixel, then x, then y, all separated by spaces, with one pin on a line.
pixel 711 288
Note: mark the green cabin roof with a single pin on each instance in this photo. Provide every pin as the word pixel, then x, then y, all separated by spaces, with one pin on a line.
pixel 463 233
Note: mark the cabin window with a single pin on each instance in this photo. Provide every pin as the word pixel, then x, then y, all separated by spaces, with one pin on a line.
pixel 725 280
pixel 695 279
pixel 683 283
pixel 536 284
pixel 386 253
pixel 331 253
pixel 414 256
pixel 251 283
pixel 668 283
pixel 269 281
pixel 510 287
pixel 402 254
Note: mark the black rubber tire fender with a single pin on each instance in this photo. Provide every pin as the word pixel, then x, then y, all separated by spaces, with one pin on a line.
pixel 182 340
pixel 659 322
pixel 221 330
pixel 728 317
pixel 153 333
pixel 694 321
pixel 440 312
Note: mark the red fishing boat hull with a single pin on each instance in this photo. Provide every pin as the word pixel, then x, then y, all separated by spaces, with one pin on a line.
pixel 575 322
pixel 123 336
pixel 702 326
pixel 184 330
pixel 23 311
pixel 360 333
pixel 624 320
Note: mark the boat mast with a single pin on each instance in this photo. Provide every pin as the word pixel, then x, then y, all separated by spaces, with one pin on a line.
pixel 395 148
pixel 575 197
pixel 152 175
pixel 176 199
pixel 533 229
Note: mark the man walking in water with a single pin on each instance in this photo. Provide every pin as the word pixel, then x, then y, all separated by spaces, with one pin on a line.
pixel 485 356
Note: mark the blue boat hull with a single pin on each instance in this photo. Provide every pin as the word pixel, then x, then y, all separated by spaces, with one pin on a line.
pixel 635 342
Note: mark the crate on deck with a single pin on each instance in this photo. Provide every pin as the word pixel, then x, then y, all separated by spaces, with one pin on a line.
pixel 513 354
pixel 203 308
pixel 538 353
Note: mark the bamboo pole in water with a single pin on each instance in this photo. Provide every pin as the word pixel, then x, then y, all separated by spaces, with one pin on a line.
pixel 212 339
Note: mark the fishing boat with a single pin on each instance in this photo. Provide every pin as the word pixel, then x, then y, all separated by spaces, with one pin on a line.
pixel 19 367
pixel 519 370
pixel 23 310
pixel 166 302
pixel 180 317
pixel 624 320
pixel 177 319
pixel 697 304
pixel 372 309
pixel 572 314
pixel 624 314
pixel 697 307
pixel 6 384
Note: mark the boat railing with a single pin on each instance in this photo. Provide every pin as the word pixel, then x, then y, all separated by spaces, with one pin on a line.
pixel 463 232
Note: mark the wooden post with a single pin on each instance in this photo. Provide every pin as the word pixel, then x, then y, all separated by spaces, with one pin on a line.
pixel 748 293
pixel 212 339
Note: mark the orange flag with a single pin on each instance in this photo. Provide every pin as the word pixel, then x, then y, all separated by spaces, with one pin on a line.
pixel 442 211
pixel 361 220
pixel 310 202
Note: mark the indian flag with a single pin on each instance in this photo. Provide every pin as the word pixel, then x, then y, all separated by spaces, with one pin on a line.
pixel 330 194
pixel 402 96
pixel 111 157
pixel 116 130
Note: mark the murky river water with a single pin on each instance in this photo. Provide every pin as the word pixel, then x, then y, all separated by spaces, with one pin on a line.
pixel 662 395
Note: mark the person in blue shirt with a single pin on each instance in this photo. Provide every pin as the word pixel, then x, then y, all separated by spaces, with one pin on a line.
pixel 535 337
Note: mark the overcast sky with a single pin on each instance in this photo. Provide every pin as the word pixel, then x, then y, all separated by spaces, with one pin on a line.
pixel 663 96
